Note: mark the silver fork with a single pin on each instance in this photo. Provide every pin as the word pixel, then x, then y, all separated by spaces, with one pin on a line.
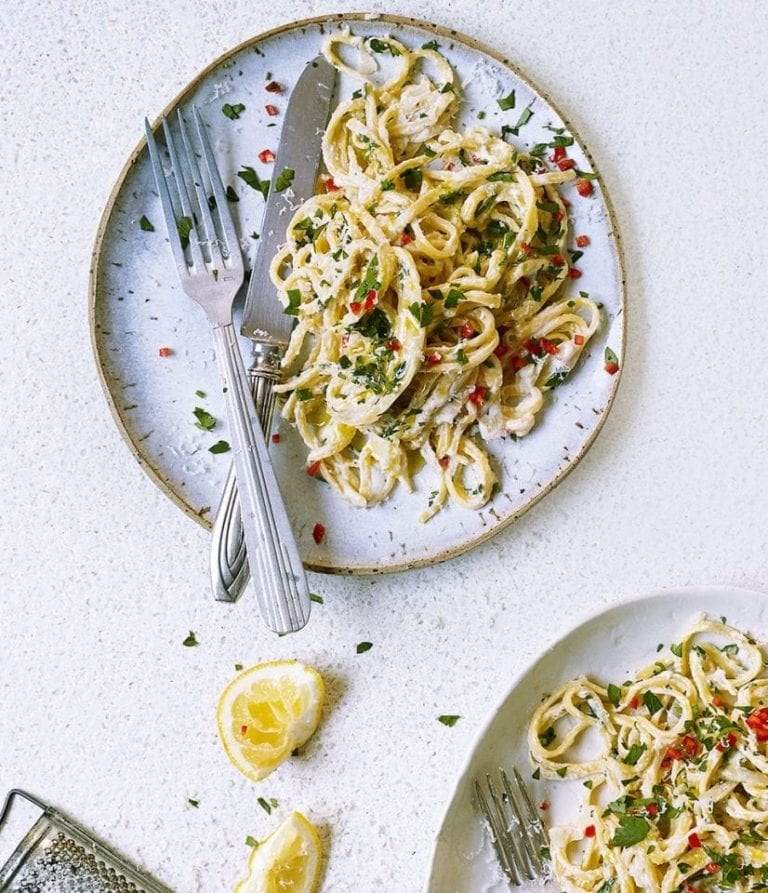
pixel 212 279
pixel 516 830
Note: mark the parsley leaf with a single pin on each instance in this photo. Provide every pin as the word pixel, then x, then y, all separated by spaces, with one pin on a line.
pixel 284 179
pixel 632 829
pixel 362 647
pixel 146 224
pixel 651 702
pixel 635 752
pixel 221 446
pixel 233 112
pixel 614 694
pixel 610 356
pixel 294 299
pixel 448 719
pixel 422 313
pixel 507 102
pixel 190 641
pixel 251 841
pixel 381 46
pixel 431 45
pixel 205 421
pixel 318 599
pixel 249 176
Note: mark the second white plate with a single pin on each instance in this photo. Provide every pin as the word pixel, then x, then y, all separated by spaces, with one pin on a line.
pixel 611 646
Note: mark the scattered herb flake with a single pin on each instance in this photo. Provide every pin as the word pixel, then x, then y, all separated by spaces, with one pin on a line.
pixel 192 802
pixel 190 641
pixel 265 805
pixel 284 179
pixel 251 841
pixel 614 694
pixel 146 224
pixel 294 299
pixel 362 647
pixel 632 829
pixel 507 102
pixel 221 446
pixel 232 196
pixel 233 112
pixel 448 719
pixel 431 45
pixel 317 599
pixel 249 176
pixel 651 702
pixel 205 421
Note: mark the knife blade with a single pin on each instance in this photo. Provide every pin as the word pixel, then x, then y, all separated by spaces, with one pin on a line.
pixel 264 321
pixel 299 151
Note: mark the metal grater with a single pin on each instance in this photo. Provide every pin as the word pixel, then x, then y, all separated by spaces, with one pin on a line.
pixel 58 856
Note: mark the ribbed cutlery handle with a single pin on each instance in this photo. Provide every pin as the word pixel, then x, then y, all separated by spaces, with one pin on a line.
pixel 229 567
pixel 273 557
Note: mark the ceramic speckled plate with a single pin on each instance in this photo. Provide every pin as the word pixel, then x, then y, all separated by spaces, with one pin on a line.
pixel 611 646
pixel 137 307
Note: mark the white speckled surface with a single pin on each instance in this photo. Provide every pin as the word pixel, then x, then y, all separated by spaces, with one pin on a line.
pixel 103 711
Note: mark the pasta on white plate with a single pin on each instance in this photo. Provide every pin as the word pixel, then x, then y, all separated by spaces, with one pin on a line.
pixel 674 768
pixel 429 283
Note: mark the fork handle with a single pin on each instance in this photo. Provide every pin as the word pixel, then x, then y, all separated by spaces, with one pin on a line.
pixel 229 568
pixel 273 557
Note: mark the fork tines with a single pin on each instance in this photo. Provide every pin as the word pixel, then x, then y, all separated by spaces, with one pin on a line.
pixel 187 207
pixel 516 830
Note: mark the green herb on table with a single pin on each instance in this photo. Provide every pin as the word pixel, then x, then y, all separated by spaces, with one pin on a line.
pixel 184 228
pixel 449 719
pixel 381 46
pixel 317 599
pixel 232 196
pixel 146 224
pixel 362 647
pixel 221 446
pixel 190 641
pixel 238 667
pixel 525 117
pixel 200 394
pixel 248 175
pixel 431 45
pixel 251 841
pixel 194 803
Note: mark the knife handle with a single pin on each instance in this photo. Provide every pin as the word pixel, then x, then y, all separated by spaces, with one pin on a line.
pixel 229 564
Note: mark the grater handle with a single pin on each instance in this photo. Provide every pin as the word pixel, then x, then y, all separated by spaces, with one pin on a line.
pixel 17 792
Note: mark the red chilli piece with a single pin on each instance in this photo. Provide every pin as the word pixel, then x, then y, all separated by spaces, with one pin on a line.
pixel 590 831
pixel 711 868
pixel 694 841
pixel 578 340
pixel 243 730
pixel 582 241
pixel 467 331
pixel 271 110
pixel 634 703
pixel 544 805
pixel 517 363
pixel 758 722
pixel 434 359
pixel 558 215
pixel 525 248
pixel 318 532
pixel 566 164
pixel 330 186
pixel 651 810
pixel 574 273
pixel 558 260
pixel 673 754
pixel 356 307
pixel 558 155
pixel 611 368
pixel 313 468
pixel 370 300
pixel 394 344
pixel 405 239
pixel 550 348
pixel 690 746
pixel 584 188
pixel 275 438
pixel 524 281
pixel 477 396
pixel 273 87
pixel 266 156
pixel 164 352
pixel 500 350
pixel 444 461
pixel 717 701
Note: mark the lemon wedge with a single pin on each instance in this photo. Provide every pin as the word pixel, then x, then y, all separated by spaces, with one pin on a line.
pixel 266 712
pixel 288 861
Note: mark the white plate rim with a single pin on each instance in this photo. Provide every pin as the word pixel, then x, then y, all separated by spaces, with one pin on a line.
pixel 685 592
pixel 156 474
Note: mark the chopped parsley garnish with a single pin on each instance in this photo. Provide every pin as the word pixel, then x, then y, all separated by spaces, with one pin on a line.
pixel 632 829
pixel 238 667
pixel 344 361
pixel 610 356
pixel 447 88
pixel 233 112
pixel 501 177
pixel 382 46
pixel 422 313
pixel 614 694
pixel 635 752
pixel 303 394
pixel 192 802
pixel 146 224
pixel 547 736
pixel 294 300
pixel 386 185
pixel 317 599
pixel 431 45
pixel 284 179
pixel 412 178
pixel 249 176
pixel 221 446
pixel 362 647
pixel 267 805
pixel 536 773
pixel 677 649
pixel 524 118
pixel 585 175
pixel 184 227
pixel 507 102
pixel 199 393
pixel 651 702
pixel 373 325
pixel 450 197
pixel 453 298
pixel 190 641
pixel 557 378
pixel 205 421
pixel 232 196
pixel 251 841
pixel 562 772
pixel 449 719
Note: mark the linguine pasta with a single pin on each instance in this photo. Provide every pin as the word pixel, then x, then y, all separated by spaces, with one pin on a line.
pixel 428 284
pixel 675 775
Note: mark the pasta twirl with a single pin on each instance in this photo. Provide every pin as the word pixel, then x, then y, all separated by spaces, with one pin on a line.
pixel 427 285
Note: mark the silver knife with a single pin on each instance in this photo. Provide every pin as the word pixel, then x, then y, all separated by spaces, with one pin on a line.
pixel 264 322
